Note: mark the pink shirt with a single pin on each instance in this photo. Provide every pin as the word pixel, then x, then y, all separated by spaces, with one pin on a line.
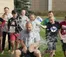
pixel 63 27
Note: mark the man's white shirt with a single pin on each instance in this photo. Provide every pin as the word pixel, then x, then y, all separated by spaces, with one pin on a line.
pixel 29 38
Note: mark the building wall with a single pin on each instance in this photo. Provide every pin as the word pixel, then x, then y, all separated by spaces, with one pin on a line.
pixel 39 5
pixel 59 5
pixel 6 3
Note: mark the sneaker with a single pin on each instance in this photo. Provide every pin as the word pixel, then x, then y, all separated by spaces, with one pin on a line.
pixel 9 51
pixel 12 52
pixel 2 52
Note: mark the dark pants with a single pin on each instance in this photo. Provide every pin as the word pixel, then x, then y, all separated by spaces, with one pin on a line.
pixel 28 54
pixel 4 39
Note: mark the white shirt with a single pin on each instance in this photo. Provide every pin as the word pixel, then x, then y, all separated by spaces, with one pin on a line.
pixel 35 26
pixel 23 21
pixel 29 38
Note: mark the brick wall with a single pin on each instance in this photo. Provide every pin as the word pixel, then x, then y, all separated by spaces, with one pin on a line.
pixel 59 5
pixel 39 5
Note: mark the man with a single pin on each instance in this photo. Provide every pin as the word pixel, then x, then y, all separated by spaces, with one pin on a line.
pixel 52 30
pixel 50 14
pixel 29 42
pixel 6 16
pixel 23 19
pixel 63 35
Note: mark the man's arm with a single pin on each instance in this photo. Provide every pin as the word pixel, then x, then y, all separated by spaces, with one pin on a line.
pixel 60 34
pixel 43 26
pixel 22 43
pixel 23 46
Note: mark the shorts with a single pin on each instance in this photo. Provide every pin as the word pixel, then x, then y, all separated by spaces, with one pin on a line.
pixel 51 45
pixel 13 36
pixel 28 54
pixel 63 46
pixel 63 42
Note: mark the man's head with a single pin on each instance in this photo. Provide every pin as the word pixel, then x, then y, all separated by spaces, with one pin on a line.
pixel 50 14
pixel 6 10
pixel 23 12
pixel 32 17
pixel 14 13
pixel 28 26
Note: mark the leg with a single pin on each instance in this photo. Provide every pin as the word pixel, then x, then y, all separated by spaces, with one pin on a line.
pixel 17 53
pixel 37 53
pixel 17 43
pixel 17 40
pixel 13 46
pixel 0 43
pixel 54 52
pixel 65 53
pixel 52 48
pixel 0 38
pixel 12 42
pixel 3 41
pixel 9 44
pixel 64 48
pixel 51 53
pixel 45 52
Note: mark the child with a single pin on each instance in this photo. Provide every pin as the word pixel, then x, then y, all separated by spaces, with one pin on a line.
pixel 12 29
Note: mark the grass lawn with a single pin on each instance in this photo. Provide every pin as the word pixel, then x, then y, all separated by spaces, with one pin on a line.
pixel 59 52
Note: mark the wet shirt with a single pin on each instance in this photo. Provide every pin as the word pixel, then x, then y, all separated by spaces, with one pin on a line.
pixel 35 26
pixel 29 38
pixel 52 31
pixel 12 25
pixel 22 21
pixel 63 27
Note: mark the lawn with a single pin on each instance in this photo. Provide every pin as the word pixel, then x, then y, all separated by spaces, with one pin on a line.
pixel 59 52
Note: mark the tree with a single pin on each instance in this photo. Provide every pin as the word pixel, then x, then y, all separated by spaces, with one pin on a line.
pixel 22 4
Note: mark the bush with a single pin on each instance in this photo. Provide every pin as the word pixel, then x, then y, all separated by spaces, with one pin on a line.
pixel 56 13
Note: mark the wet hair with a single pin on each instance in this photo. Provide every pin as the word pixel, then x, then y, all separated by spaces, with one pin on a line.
pixel 6 8
pixel 28 22
pixel 32 14
pixel 50 12
pixel 14 11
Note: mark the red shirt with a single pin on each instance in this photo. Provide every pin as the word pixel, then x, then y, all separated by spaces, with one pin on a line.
pixel 63 27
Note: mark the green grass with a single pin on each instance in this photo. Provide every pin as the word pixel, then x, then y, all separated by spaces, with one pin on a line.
pixel 59 52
